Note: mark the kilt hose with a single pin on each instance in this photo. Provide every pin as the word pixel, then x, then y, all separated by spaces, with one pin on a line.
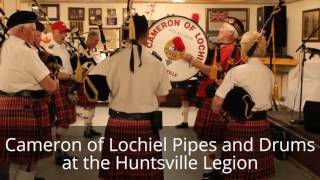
pixel 26 120
pixel 129 130
pixel 209 126
pixel 83 100
pixel 65 111
pixel 243 131
pixel 193 100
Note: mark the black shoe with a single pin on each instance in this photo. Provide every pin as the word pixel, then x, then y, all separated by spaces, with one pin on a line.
pixel 39 178
pixel 87 134
pixel 60 157
pixel 213 175
pixel 90 133
pixel 182 126
pixel 94 132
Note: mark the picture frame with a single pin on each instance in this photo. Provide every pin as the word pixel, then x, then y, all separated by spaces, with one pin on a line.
pixel 125 13
pixel 76 14
pixel 111 21
pixel 95 16
pixel 310 22
pixel 112 36
pixel 76 24
pixel 52 11
pixel 215 18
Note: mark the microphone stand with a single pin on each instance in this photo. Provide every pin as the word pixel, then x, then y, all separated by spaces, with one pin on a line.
pixel 303 49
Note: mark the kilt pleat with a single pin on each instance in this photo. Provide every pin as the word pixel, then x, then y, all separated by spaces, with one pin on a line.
pixel 209 126
pixel 83 100
pixel 25 120
pixel 243 131
pixel 65 111
pixel 129 130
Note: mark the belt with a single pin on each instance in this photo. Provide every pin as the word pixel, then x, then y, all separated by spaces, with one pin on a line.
pixel 258 115
pixel 27 94
pixel 130 116
pixel 255 116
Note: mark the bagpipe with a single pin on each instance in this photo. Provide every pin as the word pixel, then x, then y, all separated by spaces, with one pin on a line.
pixel 53 63
pixel 238 103
pixel 3 27
pixel 95 84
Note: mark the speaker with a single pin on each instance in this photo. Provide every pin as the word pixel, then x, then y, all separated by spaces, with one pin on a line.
pixel 280 25
pixel 311 111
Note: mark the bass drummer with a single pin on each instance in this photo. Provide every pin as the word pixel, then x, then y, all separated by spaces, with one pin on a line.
pixel 210 126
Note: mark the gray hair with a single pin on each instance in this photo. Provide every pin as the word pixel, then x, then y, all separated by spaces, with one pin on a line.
pixel 92 34
pixel 235 33
pixel 14 30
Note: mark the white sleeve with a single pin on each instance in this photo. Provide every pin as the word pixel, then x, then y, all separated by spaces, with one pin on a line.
pixel 227 84
pixel 36 67
pixel 101 68
pixel 164 83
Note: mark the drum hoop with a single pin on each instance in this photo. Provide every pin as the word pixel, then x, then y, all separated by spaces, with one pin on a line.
pixel 206 40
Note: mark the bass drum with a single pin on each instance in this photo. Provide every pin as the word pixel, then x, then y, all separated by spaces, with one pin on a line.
pixel 161 34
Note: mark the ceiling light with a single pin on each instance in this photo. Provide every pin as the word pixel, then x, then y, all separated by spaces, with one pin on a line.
pixel 178 1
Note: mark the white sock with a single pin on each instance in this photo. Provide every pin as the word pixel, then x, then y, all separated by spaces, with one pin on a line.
pixel 61 131
pixel 88 116
pixel 13 170
pixel 24 175
pixel 185 114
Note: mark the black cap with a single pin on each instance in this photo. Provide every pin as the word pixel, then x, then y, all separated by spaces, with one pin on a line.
pixel 39 26
pixel 21 17
pixel 140 25
pixel 236 23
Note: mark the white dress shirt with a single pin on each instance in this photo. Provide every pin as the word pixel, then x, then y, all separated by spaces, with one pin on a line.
pixel 134 92
pixel 61 50
pixel 255 78
pixel 20 67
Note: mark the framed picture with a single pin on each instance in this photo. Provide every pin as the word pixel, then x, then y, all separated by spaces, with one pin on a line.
pixel 111 21
pixel 95 16
pixel 215 18
pixel 51 10
pixel 111 12
pixel 76 14
pixel 76 25
pixel 112 37
pixel 125 13
pixel 310 22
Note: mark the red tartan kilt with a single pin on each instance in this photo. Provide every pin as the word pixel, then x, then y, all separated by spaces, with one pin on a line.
pixel 65 111
pixel 243 131
pixel 83 100
pixel 192 100
pixel 25 120
pixel 209 126
pixel 129 130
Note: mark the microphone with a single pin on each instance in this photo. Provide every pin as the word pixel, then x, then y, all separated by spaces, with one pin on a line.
pixel 178 43
pixel 313 50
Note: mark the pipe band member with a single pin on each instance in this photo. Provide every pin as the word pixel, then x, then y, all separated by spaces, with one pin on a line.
pixel 65 110
pixel 25 85
pixel 137 82
pixel 257 80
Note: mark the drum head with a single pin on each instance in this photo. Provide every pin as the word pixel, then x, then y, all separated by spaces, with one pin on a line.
pixel 161 34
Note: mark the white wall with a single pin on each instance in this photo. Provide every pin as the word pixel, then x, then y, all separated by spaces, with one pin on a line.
pixel 294 16
pixel 161 10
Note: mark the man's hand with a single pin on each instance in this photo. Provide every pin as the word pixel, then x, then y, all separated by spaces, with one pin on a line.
pixel 186 57
pixel 217 104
